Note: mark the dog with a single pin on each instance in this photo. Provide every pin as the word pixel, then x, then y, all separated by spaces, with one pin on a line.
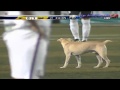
pixel 77 49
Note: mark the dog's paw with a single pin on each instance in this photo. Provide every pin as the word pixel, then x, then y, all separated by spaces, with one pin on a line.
pixel 95 67
pixel 78 67
pixel 62 67
pixel 105 67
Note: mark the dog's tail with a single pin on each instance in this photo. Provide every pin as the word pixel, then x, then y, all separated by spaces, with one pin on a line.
pixel 106 41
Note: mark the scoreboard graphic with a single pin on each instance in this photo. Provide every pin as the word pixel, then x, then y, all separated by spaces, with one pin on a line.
pixel 58 17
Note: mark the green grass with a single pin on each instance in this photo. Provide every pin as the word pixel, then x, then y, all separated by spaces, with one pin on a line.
pixel 55 58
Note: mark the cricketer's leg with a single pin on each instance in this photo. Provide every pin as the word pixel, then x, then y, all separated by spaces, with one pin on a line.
pixel 38 65
pixel 74 26
pixel 86 26
pixel 41 49
pixel 20 45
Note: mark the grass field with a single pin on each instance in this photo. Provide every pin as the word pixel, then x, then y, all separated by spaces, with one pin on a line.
pixel 55 58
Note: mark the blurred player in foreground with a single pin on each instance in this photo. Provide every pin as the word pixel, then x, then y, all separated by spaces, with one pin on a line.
pixel 27 43
pixel 86 26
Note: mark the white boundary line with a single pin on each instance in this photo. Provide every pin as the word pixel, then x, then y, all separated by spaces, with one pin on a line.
pixel 115 36
pixel 54 39
pixel 106 35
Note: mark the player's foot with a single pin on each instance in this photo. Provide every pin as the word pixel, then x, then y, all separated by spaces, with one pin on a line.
pixel 76 40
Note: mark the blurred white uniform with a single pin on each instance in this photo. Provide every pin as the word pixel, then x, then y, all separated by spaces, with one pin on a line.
pixel 21 43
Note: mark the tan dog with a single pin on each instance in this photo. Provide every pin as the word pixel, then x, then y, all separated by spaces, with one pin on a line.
pixel 78 48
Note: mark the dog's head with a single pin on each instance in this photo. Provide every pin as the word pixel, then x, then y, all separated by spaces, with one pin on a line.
pixel 69 39
pixel 60 39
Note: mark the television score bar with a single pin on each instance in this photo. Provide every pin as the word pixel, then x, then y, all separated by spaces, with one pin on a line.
pixel 29 17
pixel 56 17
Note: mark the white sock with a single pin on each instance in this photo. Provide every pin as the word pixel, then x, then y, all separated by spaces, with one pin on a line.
pixel 74 27
pixel 86 26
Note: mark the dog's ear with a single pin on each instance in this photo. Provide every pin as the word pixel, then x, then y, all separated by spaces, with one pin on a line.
pixel 70 39
pixel 59 39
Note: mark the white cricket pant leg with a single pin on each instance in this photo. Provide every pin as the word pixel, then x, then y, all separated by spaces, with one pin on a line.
pixel 39 66
pixel 21 46
pixel 74 27
pixel 86 27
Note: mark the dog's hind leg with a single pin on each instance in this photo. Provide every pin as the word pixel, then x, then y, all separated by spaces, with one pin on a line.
pixel 78 58
pixel 100 61
pixel 107 61
pixel 66 60
pixel 103 53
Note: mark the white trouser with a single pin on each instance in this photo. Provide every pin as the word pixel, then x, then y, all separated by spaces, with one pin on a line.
pixel 21 45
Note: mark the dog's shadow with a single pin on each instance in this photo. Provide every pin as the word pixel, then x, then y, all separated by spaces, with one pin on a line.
pixel 113 66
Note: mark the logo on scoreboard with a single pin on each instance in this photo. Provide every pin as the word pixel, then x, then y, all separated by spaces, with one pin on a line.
pixel 21 18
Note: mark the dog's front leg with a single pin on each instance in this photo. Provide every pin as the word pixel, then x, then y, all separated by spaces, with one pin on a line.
pixel 66 61
pixel 78 57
